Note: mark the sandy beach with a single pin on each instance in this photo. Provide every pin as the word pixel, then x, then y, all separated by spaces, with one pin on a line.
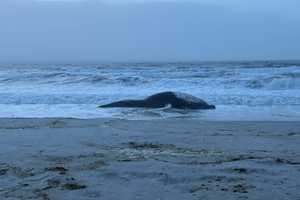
pixel 161 159
pixel 149 100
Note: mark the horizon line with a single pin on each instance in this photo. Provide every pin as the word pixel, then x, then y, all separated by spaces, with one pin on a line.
pixel 145 61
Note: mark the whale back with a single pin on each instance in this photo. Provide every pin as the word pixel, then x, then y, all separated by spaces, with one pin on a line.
pixel 177 100
pixel 161 99
pixel 189 98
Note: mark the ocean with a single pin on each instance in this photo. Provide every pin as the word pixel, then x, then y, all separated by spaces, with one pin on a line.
pixel 261 90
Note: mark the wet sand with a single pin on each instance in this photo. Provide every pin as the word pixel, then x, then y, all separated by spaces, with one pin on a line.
pixel 161 159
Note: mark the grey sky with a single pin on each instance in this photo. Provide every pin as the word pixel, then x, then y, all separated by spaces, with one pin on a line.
pixel 94 31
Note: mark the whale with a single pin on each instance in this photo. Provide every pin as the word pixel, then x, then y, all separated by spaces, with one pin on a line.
pixel 178 100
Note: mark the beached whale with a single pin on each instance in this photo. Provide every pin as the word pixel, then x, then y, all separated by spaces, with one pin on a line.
pixel 177 100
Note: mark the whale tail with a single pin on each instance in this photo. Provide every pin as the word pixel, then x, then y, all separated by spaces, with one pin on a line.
pixel 125 103
pixel 106 106
pixel 112 105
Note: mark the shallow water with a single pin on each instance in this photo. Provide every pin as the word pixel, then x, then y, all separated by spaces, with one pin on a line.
pixel 240 90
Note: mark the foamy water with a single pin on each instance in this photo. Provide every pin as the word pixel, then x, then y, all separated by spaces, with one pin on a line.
pixel 241 91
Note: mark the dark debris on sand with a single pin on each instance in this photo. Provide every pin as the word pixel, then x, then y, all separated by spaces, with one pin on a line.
pixel 59 169
pixel 73 186
pixel 3 171
pixel 136 145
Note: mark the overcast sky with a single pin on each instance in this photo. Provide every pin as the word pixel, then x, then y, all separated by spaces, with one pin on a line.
pixel 140 30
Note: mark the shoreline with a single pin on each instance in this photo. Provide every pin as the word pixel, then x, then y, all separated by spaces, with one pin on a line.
pixel 64 158
pixel 85 111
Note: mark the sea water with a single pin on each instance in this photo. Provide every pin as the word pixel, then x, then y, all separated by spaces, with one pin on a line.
pixel 264 90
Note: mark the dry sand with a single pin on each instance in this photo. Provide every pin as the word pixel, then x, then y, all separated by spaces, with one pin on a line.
pixel 163 159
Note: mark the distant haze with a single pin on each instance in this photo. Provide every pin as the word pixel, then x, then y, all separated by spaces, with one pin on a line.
pixel 122 31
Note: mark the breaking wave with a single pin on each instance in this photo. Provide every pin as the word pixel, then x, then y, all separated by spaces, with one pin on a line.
pixel 221 83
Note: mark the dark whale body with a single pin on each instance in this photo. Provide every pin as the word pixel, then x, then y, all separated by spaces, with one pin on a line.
pixel 175 99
